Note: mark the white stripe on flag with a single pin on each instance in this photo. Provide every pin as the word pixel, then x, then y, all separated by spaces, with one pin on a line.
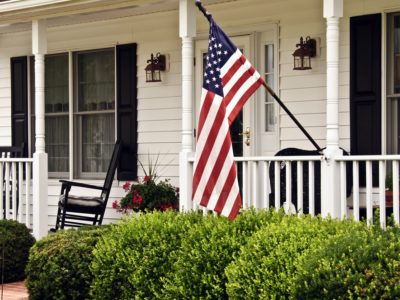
pixel 239 94
pixel 230 62
pixel 214 155
pixel 221 179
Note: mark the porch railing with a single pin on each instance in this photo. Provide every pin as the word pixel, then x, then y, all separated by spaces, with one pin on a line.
pixel 295 181
pixel 16 189
pixel 268 181
pixel 369 177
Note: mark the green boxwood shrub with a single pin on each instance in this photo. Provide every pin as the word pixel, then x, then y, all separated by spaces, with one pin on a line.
pixel 133 257
pixel 207 248
pixel 266 265
pixel 16 241
pixel 355 265
pixel 58 266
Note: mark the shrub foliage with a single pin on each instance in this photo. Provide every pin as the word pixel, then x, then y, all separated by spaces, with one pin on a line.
pixel 266 266
pixel 15 241
pixel 133 257
pixel 58 266
pixel 361 264
pixel 259 255
pixel 207 248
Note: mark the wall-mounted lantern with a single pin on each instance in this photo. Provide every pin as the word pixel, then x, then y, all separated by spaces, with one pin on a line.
pixel 156 64
pixel 302 55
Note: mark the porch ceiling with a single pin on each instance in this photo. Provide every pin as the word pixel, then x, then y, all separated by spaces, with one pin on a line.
pixel 16 15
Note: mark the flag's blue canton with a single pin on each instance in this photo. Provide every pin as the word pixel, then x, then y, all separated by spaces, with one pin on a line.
pixel 220 49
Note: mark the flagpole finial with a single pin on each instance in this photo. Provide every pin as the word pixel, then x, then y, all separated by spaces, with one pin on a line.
pixel 203 10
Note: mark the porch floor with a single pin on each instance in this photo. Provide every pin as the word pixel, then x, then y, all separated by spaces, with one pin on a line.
pixel 14 291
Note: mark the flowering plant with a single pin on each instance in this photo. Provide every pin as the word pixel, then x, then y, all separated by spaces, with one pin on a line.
pixel 148 195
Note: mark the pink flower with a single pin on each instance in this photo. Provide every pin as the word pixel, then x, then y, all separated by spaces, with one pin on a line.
pixel 126 186
pixel 115 204
pixel 146 179
pixel 136 199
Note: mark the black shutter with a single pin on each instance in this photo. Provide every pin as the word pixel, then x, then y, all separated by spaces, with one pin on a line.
pixel 365 87
pixel 19 102
pixel 127 111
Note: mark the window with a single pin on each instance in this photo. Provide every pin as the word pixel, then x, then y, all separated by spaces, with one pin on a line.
pixel 95 115
pixel 80 125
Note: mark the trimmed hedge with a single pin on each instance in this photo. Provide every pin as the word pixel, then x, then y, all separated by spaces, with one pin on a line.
pixel 16 241
pixel 58 266
pixel 266 266
pixel 133 257
pixel 260 255
pixel 207 248
pixel 355 265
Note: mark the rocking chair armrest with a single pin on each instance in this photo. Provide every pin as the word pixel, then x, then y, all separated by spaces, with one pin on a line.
pixel 69 184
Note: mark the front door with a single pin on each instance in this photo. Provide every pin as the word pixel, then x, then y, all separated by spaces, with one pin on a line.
pixel 255 130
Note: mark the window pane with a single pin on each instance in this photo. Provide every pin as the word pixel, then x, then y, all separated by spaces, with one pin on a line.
pixel 98 138
pixel 269 78
pixel 56 82
pixel 96 80
pixel 56 101
pixel 57 145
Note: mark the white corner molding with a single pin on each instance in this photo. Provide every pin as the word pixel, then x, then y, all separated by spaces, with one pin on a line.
pixel 330 171
pixel 40 160
pixel 187 31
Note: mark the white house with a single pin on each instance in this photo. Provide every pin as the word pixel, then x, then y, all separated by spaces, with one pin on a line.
pixel 72 81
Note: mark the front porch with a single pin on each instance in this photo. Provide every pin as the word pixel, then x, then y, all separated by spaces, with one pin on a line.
pixel 362 188
pixel 55 36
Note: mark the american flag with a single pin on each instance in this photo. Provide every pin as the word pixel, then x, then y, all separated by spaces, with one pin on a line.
pixel 228 81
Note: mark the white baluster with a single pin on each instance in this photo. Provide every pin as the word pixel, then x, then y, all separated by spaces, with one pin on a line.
pixel 20 185
pixel 356 191
pixel 300 208
pixel 311 188
pixel 369 192
pixel 254 179
pixel 277 171
pixel 343 187
pixel 396 191
pixel 382 200
pixel 28 194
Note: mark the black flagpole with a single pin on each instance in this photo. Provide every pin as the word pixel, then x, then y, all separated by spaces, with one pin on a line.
pixel 271 91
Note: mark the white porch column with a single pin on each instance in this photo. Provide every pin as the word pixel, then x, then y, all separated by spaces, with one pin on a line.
pixel 187 31
pixel 40 170
pixel 330 196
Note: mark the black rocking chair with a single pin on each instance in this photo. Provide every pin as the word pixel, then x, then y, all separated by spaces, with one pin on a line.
pixel 76 211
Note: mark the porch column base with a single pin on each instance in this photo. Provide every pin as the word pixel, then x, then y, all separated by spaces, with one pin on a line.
pixel 40 194
pixel 185 182
pixel 330 184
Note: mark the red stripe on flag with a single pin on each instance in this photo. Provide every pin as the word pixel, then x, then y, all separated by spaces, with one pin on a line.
pixel 232 70
pixel 238 84
pixel 230 181
pixel 216 171
pixel 208 146
pixel 242 101
pixel 205 108
pixel 235 208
